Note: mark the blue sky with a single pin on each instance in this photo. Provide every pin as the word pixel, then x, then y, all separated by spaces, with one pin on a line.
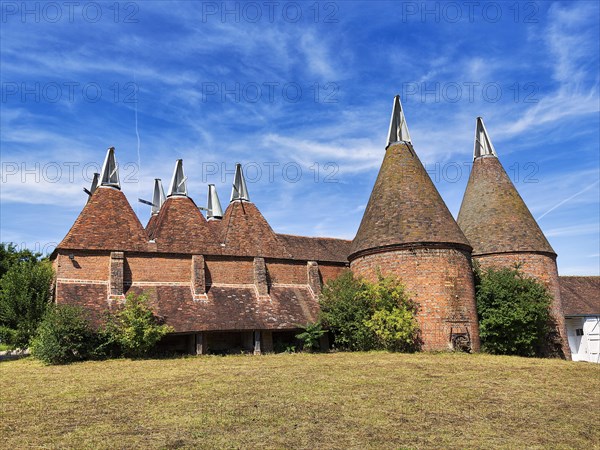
pixel 300 93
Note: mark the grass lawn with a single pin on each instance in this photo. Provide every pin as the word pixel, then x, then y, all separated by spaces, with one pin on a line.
pixel 343 400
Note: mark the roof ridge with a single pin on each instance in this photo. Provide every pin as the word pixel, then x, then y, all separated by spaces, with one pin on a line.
pixel 315 237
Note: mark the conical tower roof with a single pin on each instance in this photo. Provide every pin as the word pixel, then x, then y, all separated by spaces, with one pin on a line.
pixel 243 230
pixel 493 215
pixel 158 198
pixel 405 208
pixel 180 227
pixel 151 225
pixel 107 221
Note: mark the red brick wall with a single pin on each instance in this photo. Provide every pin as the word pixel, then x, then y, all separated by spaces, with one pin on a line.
pixel 229 270
pixel 158 267
pixel 330 271
pixel 84 266
pixel 539 266
pixel 440 281
pixel 287 272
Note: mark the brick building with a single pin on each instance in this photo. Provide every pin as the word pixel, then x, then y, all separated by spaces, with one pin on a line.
pixel 229 281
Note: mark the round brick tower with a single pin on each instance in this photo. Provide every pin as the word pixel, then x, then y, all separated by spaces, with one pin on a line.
pixel 502 230
pixel 407 231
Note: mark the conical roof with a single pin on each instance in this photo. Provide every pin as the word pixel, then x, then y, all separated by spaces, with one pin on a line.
pixel 107 222
pixel 151 225
pixel 405 207
pixel 245 232
pixel 493 215
pixel 180 227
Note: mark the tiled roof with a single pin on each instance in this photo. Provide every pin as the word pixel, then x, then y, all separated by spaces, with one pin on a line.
pixel 405 207
pixel 232 308
pixel 151 225
pixel 181 228
pixel 316 248
pixel 580 296
pixel 245 232
pixel 107 222
pixel 493 215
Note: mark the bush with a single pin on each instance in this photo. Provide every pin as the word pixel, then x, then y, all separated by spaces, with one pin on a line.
pixel 63 336
pixel 24 297
pixel 367 316
pixel 135 330
pixel 311 336
pixel 395 329
pixel 514 313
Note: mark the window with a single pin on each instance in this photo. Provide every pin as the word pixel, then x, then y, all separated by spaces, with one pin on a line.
pixel 579 332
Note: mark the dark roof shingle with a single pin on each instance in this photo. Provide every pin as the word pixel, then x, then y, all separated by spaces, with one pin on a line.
pixel 232 308
pixel 580 296
pixel 317 248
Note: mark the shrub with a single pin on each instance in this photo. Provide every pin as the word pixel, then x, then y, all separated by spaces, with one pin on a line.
pixel 134 329
pixel 396 329
pixel 63 336
pixel 311 336
pixel 24 297
pixel 514 313
pixel 367 316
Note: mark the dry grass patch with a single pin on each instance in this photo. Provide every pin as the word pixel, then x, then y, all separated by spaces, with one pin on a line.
pixel 344 400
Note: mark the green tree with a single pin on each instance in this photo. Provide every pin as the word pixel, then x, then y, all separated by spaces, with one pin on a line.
pixel 366 316
pixel 9 256
pixel 63 336
pixel 311 336
pixel 514 312
pixel 24 297
pixel 135 328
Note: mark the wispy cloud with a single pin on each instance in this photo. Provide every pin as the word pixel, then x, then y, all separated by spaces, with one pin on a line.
pixel 172 55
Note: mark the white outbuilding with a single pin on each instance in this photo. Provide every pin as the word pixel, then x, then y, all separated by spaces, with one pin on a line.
pixel 580 298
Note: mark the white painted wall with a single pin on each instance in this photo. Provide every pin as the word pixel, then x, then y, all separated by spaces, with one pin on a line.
pixel 585 344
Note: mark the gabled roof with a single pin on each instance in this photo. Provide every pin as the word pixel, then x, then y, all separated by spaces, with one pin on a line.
pixel 493 215
pixel 107 222
pixel 405 207
pixel 245 232
pixel 580 296
pixel 316 248
pixel 181 228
